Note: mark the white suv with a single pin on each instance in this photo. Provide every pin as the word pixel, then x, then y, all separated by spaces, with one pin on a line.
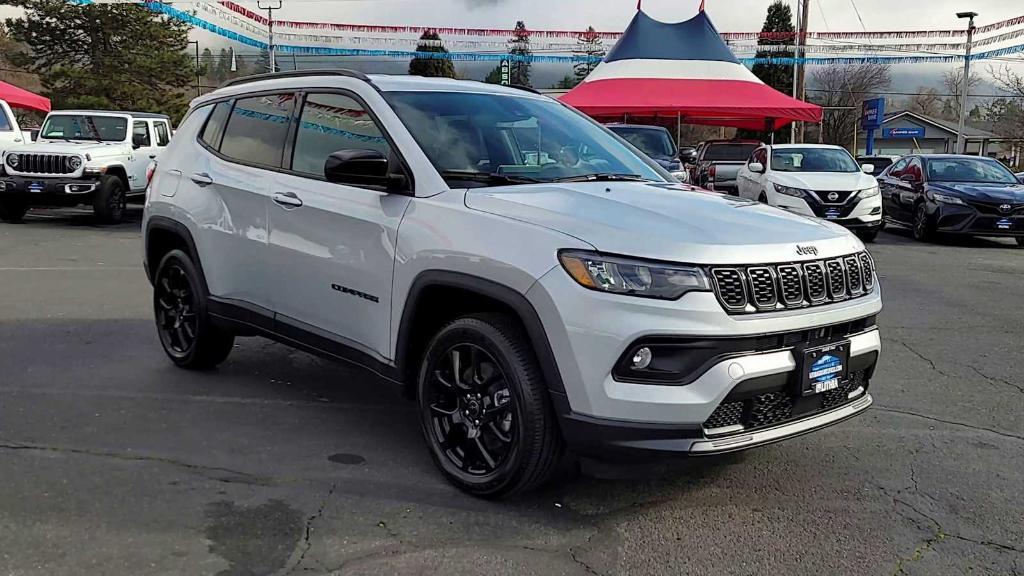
pixel 535 282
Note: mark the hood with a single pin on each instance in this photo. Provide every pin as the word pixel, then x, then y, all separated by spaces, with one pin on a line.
pixel 1012 193
pixel 825 181
pixel 93 149
pixel 671 222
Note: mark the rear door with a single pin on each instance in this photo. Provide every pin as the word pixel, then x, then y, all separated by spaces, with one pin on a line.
pixel 332 246
pixel 889 187
pixel 143 152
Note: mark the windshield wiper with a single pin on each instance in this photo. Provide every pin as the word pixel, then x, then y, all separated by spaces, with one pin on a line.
pixel 488 178
pixel 603 178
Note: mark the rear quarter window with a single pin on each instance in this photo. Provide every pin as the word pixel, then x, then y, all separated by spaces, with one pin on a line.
pixel 214 129
pixel 257 128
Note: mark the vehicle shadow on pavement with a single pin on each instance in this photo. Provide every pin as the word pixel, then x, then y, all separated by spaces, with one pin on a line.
pixel 83 218
pixel 898 235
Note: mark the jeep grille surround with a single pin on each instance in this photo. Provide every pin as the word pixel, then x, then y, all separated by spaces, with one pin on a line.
pixel 43 164
pixel 769 287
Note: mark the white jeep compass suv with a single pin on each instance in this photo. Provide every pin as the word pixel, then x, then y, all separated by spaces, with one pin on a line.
pixel 535 281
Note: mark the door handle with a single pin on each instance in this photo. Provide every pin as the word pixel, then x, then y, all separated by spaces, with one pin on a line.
pixel 152 156
pixel 17 139
pixel 202 179
pixel 286 199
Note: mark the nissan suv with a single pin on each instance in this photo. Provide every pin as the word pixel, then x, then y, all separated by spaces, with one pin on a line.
pixel 535 283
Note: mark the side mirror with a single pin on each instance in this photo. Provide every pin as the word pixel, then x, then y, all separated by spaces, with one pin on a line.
pixel 361 168
pixel 756 167
pixel 868 168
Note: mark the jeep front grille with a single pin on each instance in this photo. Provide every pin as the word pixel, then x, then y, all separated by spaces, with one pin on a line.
pixel 762 288
pixel 44 164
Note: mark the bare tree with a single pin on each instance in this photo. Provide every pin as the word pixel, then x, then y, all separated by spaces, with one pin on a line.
pixel 928 101
pixel 1007 113
pixel 843 89
pixel 953 80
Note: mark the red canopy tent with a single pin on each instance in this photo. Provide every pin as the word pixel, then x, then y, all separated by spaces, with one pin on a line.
pixel 683 70
pixel 20 98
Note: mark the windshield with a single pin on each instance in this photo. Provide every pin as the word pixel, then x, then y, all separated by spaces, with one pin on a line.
pixel 85 127
pixel 729 152
pixel 879 164
pixel 513 139
pixel 813 160
pixel 654 142
pixel 969 170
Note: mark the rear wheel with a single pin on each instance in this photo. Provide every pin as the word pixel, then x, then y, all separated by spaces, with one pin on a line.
pixel 12 210
pixel 111 200
pixel 924 229
pixel 484 408
pixel 179 304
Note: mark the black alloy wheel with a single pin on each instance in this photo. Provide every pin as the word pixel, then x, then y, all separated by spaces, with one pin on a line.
pixel 485 408
pixel 923 229
pixel 187 334
pixel 111 200
pixel 175 306
pixel 472 418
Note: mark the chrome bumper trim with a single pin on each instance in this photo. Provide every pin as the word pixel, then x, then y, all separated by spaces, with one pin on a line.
pixel 782 432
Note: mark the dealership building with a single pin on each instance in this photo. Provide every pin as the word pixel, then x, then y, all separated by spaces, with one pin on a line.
pixel 905 132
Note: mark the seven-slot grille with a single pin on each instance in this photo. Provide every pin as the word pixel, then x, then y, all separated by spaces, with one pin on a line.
pixel 44 164
pixel 748 289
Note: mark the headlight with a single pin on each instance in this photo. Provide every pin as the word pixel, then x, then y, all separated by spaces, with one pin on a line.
pixel 633 277
pixel 947 199
pixel 13 160
pixel 869 193
pixel 797 192
pixel 75 162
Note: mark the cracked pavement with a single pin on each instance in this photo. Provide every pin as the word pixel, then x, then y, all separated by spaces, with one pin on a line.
pixel 282 463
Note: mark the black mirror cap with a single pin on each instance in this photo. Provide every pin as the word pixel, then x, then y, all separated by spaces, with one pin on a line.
pixel 909 178
pixel 363 167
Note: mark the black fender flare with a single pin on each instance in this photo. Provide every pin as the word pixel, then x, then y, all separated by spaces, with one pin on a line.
pixel 180 230
pixel 516 301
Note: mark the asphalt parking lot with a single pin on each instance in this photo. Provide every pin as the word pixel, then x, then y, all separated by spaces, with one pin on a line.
pixel 114 462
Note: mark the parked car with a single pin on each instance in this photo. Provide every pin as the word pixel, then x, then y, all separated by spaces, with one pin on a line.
pixel 878 163
pixel 719 161
pixel 941 193
pixel 815 180
pixel 398 223
pixel 11 133
pixel 89 157
pixel 656 143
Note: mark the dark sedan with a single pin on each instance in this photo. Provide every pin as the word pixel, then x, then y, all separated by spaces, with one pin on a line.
pixel 950 194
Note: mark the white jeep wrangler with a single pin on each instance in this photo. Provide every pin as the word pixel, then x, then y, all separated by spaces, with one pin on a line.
pixel 98 159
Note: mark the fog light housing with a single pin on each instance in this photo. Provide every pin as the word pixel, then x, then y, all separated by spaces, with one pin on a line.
pixel 642 359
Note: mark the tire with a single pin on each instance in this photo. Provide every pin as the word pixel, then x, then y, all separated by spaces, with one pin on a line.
pixel 12 211
pixel 479 372
pixel 924 229
pixel 763 198
pixel 111 200
pixel 868 236
pixel 187 335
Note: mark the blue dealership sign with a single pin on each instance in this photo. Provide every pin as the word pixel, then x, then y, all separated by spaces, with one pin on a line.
pixel 917 132
pixel 873 114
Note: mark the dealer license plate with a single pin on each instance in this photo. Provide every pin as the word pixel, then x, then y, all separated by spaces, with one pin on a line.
pixel 36 186
pixel 1004 224
pixel 832 214
pixel 825 368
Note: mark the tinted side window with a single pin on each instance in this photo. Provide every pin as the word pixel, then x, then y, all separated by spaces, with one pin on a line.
pixel 329 123
pixel 915 169
pixel 214 129
pixel 760 156
pixel 5 123
pixel 140 134
pixel 257 129
pixel 899 167
pixel 163 134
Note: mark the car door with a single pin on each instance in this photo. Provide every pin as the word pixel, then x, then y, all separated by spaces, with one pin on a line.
pixel 161 137
pixel 230 186
pixel 332 246
pixel 889 187
pixel 906 192
pixel 750 182
pixel 143 152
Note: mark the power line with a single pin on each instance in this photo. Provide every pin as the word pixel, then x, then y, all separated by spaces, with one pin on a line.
pixel 857 10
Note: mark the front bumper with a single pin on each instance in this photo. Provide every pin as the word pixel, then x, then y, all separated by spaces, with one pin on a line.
pixel 602 413
pixel 49 191
pixel 863 214
pixel 978 220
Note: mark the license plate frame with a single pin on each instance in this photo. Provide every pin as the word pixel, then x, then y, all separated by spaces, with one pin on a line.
pixel 824 368
pixel 36 187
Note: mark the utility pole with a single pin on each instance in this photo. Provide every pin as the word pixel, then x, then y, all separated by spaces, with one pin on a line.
pixel 270 7
pixel 801 78
pixel 961 142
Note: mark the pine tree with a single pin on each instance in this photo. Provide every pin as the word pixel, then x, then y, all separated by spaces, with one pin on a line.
pixel 567 83
pixel 223 68
pixel 262 64
pixel 779 76
pixel 431 67
pixel 519 47
pixel 589 45
pixel 105 56
pixel 206 64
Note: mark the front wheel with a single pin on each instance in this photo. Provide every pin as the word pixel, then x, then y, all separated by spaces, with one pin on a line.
pixel 924 230
pixel 12 211
pixel 187 335
pixel 111 200
pixel 484 408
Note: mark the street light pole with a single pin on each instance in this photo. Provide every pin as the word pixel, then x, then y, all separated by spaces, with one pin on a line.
pixel 270 7
pixel 961 141
pixel 796 54
pixel 198 75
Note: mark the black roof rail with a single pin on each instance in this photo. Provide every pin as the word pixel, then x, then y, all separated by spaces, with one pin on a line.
pixel 525 88
pixel 298 74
